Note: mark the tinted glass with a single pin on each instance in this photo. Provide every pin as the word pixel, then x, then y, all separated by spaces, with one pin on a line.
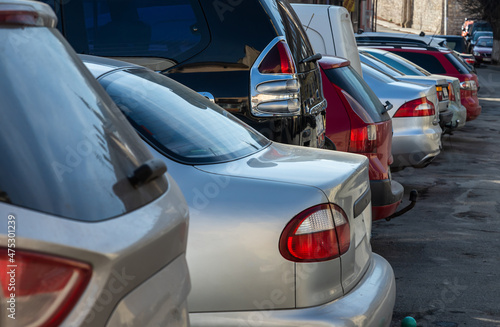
pixel 349 80
pixel 375 74
pixel 485 42
pixel 426 61
pixel 66 149
pixel 477 35
pixel 179 122
pixel 456 44
pixel 401 64
pixel 168 29
pixel 380 65
pixel 457 63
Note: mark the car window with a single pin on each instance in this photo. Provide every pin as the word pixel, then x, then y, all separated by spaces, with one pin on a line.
pixel 401 64
pixel 486 42
pixel 66 149
pixel 424 60
pixel 457 63
pixel 379 64
pixel 376 74
pixel 179 122
pixel 167 29
pixel 349 80
pixel 456 44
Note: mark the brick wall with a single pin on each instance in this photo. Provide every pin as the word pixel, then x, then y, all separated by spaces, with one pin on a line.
pixel 427 16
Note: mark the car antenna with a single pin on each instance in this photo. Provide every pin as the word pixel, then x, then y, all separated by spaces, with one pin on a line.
pixel 310 20
pixel 432 37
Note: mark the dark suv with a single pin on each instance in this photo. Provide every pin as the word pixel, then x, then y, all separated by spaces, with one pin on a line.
pixel 251 57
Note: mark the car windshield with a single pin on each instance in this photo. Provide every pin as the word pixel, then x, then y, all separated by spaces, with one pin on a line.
pixel 376 74
pixel 180 123
pixel 66 149
pixel 349 80
pixel 486 43
pixel 477 35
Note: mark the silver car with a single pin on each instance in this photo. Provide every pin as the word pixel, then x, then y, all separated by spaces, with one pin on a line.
pixel 417 74
pixel 417 135
pixel 93 232
pixel 279 234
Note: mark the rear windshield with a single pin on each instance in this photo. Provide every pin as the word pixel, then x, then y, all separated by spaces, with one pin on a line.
pixel 66 150
pixel 457 45
pixel 403 65
pixel 175 29
pixel 179 122
pixel 349 80
pixel 424 60
pixel 457 63
pixel 380 65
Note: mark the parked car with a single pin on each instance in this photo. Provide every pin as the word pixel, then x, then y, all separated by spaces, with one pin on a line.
pixel 475 38
pixel 93 231
pixel 330 32
pixel 443 62
pixel 251 57
pixel 277 232
pixel 477 26
pixel 440 83
pixel 455 42
pixel 482 49
pixel 399 38
pixel 356 122
pixel 417 135
pixel 409 68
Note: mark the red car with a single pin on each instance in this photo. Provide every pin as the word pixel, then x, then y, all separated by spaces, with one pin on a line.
pixel 357 122
pixel 445 62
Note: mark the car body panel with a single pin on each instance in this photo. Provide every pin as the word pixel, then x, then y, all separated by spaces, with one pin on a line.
pixel 239 209
pixel 329 29
pixel 416 140
pixel 377 288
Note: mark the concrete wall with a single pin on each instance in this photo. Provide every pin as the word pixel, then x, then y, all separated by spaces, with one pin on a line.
pixel 428 15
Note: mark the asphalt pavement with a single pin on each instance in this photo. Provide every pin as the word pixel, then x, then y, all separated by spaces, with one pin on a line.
pixel 446 251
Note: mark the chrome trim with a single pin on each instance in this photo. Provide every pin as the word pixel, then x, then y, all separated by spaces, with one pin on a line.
pixel 257 79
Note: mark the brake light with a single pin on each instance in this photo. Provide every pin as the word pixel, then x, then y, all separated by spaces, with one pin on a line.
pixel 468 85
pixel 18 17
pixel 46 288
pixel 319 233
pixel 416 108
pixel 278 60
pixel 451 92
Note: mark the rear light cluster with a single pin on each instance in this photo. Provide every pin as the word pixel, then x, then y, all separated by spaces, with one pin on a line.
pixel 26 18
pixel 46 288
pixel 319 233
pixel 468 85
pixel 416 108
pixel 451 92
pixel 275 88
pixel 363 139
pixel 441 93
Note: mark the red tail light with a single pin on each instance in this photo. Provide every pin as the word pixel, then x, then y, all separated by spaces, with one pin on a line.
pixel 451 92
pixel 46 288
pixel 319 233
pixel 18 17
pixel 278 60
pixel 416 108
pixel 440 94
pixel 362 139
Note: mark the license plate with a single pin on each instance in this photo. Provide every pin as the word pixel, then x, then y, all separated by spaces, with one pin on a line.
pixel 445 93
pixel 487 59
pixel 320 124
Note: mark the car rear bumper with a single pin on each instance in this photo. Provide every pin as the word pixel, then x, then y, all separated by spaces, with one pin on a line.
pixel 386 196
pixel 415 147
pixel 370 303
pixel 473 107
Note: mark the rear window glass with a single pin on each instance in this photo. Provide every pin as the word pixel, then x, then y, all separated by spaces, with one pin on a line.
pixel 426 61
pixel 174 30
pixel 349 80
pixel 462 69
pixel 66 149
pixel 403 65
pixel 457 45
pixel 380 65
pixel 179 122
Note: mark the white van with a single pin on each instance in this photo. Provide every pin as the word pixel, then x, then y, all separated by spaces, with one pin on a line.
pixel 329 29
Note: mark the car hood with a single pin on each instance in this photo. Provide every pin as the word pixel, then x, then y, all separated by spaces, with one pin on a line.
pixel 325 169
